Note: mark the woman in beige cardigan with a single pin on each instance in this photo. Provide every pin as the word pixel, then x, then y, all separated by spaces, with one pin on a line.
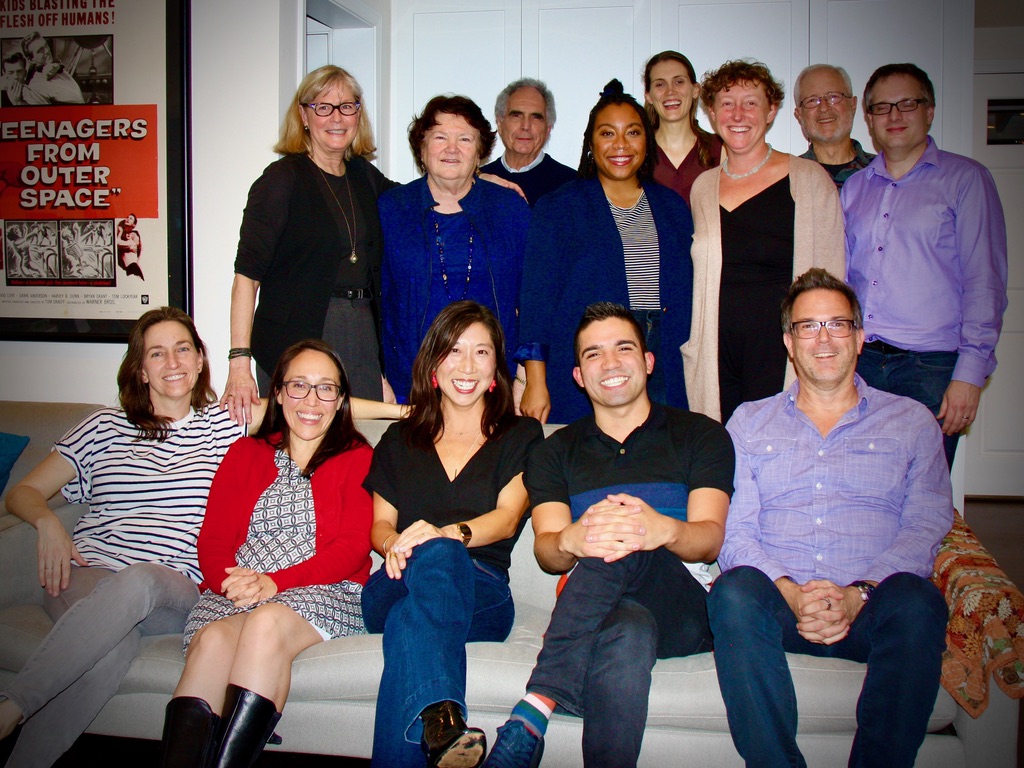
pixel 760 219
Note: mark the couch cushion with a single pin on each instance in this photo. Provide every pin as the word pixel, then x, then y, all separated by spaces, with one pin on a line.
pixel 22 628
pixel 44 423
pixel 11 447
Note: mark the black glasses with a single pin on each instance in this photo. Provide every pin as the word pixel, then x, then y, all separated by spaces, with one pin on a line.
pixel 905 105
pixel 832 97
pixel 809 329
pixel 324 109
pixel 298 389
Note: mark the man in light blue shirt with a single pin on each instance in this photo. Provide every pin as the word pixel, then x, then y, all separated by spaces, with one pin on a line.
pixel 926 254
pixel 842 496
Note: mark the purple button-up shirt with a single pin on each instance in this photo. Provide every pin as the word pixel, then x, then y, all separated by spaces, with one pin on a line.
pixel 870 499
pixel 926 255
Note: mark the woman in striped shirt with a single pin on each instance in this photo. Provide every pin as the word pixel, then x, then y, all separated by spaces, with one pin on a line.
pixel 130 568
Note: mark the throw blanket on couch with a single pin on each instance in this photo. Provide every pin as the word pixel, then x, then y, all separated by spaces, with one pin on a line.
pixel 985 635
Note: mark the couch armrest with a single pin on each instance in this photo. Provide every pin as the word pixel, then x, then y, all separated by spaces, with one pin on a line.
pixel 18 562
pixel 985 635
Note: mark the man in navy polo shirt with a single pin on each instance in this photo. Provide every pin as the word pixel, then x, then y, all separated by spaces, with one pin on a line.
pixel 622 501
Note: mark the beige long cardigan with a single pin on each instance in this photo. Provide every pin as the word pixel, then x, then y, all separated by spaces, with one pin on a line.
pixel 819 241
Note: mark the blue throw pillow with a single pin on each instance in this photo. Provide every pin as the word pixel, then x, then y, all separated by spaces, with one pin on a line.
pixel 11 447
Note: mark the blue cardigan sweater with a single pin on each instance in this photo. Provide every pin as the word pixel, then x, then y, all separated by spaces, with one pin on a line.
pixel 574 257
pixel 500 218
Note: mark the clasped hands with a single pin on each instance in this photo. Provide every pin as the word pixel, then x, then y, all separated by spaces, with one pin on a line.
pixel 244 586
pixel 824 610
pixel 616 527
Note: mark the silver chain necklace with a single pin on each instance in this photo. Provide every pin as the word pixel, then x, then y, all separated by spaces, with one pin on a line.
pixel 751 172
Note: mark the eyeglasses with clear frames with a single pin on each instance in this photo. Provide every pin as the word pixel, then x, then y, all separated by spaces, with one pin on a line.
pixel 809 329
pixel 832 97
pixel 905 105
pixel 297 389
pixel 324 109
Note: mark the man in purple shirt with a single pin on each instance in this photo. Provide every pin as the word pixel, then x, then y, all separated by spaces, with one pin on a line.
pixel 926 254
pixel 841 499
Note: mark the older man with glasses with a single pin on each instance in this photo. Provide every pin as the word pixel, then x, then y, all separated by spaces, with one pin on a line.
pixel 841 500
pixel 825 107
pixel 926 254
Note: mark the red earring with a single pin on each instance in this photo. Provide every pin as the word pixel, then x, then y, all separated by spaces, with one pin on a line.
pixel 494 383
pixel 433 380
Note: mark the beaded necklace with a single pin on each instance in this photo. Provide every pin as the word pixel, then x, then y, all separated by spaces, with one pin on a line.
pixel 440 255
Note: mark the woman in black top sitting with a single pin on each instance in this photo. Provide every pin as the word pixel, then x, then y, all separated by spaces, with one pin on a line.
pixel 448 506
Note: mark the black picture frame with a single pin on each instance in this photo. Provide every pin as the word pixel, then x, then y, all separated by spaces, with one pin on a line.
pixel 177 192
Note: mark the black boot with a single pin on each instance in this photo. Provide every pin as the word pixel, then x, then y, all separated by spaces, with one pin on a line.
pixel 190 734
pixel 448 741
pixel 249 723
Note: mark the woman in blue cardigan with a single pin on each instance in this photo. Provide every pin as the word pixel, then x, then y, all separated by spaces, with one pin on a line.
pixel 612 235
pixel 447 237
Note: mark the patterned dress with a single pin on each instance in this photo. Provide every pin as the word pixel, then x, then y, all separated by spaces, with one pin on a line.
pixel 282 533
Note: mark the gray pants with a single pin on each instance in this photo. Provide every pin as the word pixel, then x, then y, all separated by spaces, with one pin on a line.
pixel 101 618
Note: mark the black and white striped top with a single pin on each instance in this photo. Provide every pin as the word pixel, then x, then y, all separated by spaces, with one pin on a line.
pixel 640 246
pixel 147 498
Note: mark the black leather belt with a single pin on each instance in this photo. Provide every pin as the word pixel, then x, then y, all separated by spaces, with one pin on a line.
pixel 352 293
pixel 885 349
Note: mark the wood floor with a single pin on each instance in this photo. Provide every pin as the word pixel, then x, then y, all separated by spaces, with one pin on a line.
pixel 999 523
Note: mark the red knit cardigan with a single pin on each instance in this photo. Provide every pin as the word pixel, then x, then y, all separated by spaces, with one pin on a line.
pixel 343 509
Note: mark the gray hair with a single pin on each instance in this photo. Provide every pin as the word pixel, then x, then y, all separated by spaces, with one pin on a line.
pixel 501 103
pixel 817 68
pixel 818 279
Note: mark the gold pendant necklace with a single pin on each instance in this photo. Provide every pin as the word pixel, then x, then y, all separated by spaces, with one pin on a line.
pixel 462 465
pixel 353 258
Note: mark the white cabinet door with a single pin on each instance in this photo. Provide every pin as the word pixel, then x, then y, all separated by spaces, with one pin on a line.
pixel 937 35
pixel 994 446
pixel 468 47
pixel 576 46
pixel 774 32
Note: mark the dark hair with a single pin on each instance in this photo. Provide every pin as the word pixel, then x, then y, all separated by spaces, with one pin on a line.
pixel 426 421
pixel 460 106
pixel 341 435
pixel 17 57
pixel 705 140
pixel 501 103
pixel 740 71
pixel 606 310
pixel 614 94
pixel 890 70
pixel 133 392
pixel 818 279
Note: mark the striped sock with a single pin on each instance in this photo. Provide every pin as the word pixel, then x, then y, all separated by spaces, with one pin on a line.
pixel 534 713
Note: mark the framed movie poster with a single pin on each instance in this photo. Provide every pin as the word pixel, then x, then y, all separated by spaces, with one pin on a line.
pixel 93 166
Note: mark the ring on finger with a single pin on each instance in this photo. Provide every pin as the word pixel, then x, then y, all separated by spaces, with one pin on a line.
pixel 828 603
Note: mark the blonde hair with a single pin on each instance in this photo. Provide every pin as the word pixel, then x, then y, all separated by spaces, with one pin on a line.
pixel 294 138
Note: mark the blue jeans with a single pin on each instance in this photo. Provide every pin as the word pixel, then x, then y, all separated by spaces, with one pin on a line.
pixel 899 633
pixel 443 601
pixel 921 376
pixel 610 624
pixel 101 618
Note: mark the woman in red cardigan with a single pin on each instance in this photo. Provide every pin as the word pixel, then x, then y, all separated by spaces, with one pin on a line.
pixel 284 551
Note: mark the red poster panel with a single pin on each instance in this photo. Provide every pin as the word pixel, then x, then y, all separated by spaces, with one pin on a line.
pixel 86 162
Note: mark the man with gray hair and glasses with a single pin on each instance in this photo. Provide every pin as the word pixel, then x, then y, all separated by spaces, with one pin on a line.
pixel 525 114
pixel 825 107
pixel 841 500
pixel 926 254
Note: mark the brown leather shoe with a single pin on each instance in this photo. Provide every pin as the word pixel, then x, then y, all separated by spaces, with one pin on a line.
pixel 448 741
